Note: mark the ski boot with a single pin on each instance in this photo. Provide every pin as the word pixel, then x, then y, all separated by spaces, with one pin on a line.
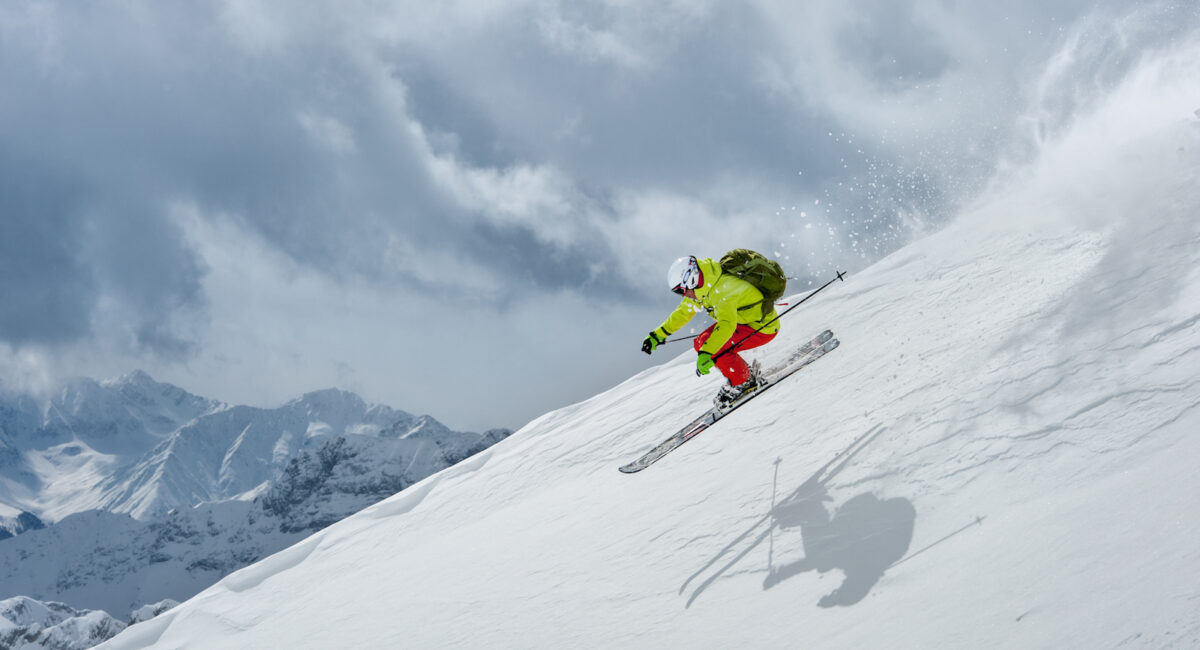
pixel 728 395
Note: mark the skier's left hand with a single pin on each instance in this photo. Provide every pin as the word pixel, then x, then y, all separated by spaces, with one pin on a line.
pixel 704 363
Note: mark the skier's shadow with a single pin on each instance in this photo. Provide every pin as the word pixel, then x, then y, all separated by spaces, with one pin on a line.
pixel 863 537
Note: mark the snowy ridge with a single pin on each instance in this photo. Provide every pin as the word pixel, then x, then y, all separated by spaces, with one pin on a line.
pixel 110 561
pixel 133 445
pixel 26 624
pixel 226 487
pixel 23 522
pixel 57 454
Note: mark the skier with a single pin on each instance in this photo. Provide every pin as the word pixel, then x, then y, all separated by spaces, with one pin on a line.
pixel 737 307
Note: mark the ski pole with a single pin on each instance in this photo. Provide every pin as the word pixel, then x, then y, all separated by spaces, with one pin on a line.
pixel 840 276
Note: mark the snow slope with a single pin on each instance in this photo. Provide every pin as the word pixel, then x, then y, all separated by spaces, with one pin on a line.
pixel 1000 454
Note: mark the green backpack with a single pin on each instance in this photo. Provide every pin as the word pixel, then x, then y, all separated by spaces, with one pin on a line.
pixel 765 274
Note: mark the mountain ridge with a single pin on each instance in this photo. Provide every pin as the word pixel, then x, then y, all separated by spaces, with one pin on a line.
pixel 132 444
pixel 220 486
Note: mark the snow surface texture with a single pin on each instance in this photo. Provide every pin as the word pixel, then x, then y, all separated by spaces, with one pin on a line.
pixel 1000 454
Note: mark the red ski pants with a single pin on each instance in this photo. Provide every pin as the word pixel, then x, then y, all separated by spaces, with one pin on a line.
pixel 731 365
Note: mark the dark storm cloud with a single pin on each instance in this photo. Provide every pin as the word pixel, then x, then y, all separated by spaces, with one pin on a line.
pixel 83 171
pixel 516 256
pixel 690 118
pixel 46 293
pixel 141 261
pixel 111 113
pixel 891 46
pixel 693 113
pixel 154 104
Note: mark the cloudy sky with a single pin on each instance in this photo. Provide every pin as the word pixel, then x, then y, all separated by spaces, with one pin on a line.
pixel 466 208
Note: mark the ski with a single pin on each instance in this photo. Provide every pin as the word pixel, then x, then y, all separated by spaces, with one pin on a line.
pixel 804 355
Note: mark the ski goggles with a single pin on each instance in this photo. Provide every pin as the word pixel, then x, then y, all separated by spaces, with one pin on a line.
pixel 685 274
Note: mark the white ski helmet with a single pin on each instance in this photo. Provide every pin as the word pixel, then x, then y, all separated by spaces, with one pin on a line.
pixel 684 274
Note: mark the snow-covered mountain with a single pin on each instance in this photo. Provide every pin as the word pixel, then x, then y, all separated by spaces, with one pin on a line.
pixel 27 624
pixel 55 454
pixel 133 445
pixel 1000 454
pixel 214 488
pixel 21 523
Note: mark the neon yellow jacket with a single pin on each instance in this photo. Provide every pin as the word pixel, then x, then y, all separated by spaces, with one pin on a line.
pixel 730 300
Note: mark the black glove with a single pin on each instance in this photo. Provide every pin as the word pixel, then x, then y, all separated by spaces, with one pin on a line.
pixel 651 342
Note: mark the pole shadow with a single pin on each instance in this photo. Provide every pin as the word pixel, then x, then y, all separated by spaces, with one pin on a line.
pixel 862 538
